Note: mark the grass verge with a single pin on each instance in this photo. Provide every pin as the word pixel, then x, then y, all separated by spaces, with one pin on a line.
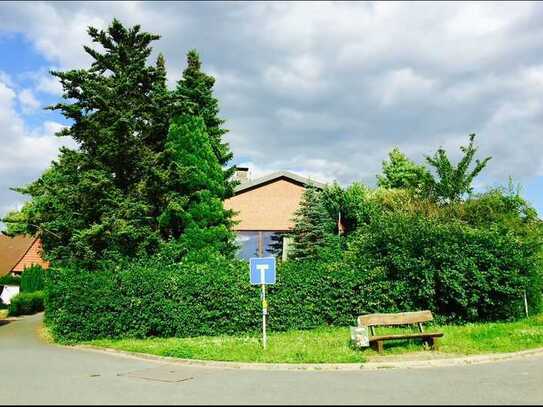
pixel 332 345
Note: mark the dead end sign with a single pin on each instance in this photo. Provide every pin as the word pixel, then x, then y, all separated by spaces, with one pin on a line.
pixel 262 270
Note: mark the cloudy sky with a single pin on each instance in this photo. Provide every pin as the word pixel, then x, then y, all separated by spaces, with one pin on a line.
pixel 322 89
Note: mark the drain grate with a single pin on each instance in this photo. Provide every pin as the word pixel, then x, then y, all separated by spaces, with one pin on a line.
pixel 166 374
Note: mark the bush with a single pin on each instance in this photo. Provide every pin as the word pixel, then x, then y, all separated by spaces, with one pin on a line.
pixel 27 303
pixel 153 297
pixel 460 272
pixel 399 264
pixel 32 279
pixel 462 261
pixel 10 280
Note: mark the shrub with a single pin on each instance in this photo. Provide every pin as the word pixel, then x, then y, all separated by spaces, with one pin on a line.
pixel 460 272
pixel 27 303
pixel 401 264
pixel 153 297
pixel 10 280
pixel 32 279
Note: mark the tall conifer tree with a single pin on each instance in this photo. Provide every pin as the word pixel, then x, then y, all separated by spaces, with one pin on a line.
pixel 313 226
pixel 194 214
pixel 195 92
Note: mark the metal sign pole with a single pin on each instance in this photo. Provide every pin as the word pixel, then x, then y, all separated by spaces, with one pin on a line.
pixel 262 273
pixel 264 313
pixel 526 304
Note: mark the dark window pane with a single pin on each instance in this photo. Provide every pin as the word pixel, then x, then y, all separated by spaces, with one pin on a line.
pixel 273 244
pixel 248 245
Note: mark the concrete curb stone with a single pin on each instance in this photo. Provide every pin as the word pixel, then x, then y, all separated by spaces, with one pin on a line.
pixel 406 364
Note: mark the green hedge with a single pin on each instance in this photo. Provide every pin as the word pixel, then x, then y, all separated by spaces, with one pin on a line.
pixel 32 279
pixel 10 280
pixel 460 272
pixel 27 303
pixel 398 264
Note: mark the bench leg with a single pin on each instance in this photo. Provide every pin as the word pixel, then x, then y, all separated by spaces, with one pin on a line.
pixel 378 346
pixel 431 343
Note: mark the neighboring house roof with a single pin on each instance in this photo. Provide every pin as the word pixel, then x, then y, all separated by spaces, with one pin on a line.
pixel 276 176
pixel 13 250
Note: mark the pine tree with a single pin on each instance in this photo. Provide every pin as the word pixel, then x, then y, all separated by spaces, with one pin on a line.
pixel 194 212
pixel 132 185
pixel 195 92
pixel 103 197
pixel 313 226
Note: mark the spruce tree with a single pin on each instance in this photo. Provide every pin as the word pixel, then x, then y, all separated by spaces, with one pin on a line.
pixel 194 215
pixel 99 198
pixel 313 226
pixel 131 185
pixel 195 92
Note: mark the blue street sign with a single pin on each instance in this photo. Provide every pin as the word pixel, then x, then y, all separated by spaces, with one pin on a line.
pixel 262 270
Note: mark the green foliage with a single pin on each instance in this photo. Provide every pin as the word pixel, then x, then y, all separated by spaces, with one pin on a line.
pixel 15 222
pixel 460 272
pixel 193 209
pixel 400 172
pixel 33 279
pixel 329 344
pixel 106 199
pixel 10 280
pixel 152 298
pixel 195 89
pixel 27 303
pixel 314 225
pixel 453 182
pixel 398 261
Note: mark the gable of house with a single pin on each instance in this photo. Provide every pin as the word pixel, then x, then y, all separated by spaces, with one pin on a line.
pixel 19 252
pixel 268 203
pixel 32 257
pixel 264 210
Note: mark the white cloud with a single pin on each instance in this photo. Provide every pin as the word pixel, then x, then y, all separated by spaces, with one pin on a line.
pixel 46 83
pixel 330 87
pixel 28 101
pixel 24 152
pixel 404 85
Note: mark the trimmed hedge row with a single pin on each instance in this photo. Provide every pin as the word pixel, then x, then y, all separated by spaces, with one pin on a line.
pixel 27 303
pixel 398 264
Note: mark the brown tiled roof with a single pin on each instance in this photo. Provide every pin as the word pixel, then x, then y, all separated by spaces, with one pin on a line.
pixel 12 250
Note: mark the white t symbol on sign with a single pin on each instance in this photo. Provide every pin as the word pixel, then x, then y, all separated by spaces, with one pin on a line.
pixel 262 268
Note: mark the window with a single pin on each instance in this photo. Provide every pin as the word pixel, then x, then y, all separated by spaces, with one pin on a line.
pixel 260 244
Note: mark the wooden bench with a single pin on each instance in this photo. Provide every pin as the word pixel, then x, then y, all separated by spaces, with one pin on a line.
pixel 404 318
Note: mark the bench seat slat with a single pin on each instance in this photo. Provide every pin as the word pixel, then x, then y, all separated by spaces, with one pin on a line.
pixel 402 318
pixel 406 336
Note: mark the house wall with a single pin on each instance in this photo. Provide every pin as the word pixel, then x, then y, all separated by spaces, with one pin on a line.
pixel 266 207
pixel 32 256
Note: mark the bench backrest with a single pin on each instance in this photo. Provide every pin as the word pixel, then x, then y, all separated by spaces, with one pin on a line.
pixel 402 318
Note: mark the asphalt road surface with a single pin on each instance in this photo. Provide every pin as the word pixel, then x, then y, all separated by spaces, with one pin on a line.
pixel 33 372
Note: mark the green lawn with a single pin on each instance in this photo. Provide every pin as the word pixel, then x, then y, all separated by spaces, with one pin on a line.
pixel 3 313
pixel 331 345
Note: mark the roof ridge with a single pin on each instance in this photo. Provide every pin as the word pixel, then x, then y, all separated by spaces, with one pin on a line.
pixel 276 175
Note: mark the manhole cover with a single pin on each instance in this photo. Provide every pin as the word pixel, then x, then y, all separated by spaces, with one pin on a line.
pixel 168 374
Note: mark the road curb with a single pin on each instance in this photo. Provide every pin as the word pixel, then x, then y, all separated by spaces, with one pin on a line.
pixel 408 364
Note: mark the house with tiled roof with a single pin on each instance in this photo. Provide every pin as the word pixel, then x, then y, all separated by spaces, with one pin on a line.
pixel 264 210
pixel 20 252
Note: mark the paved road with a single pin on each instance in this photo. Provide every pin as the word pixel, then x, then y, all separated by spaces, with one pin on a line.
pixel 33 372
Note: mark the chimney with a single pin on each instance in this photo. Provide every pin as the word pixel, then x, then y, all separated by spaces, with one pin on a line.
pixel 241 174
